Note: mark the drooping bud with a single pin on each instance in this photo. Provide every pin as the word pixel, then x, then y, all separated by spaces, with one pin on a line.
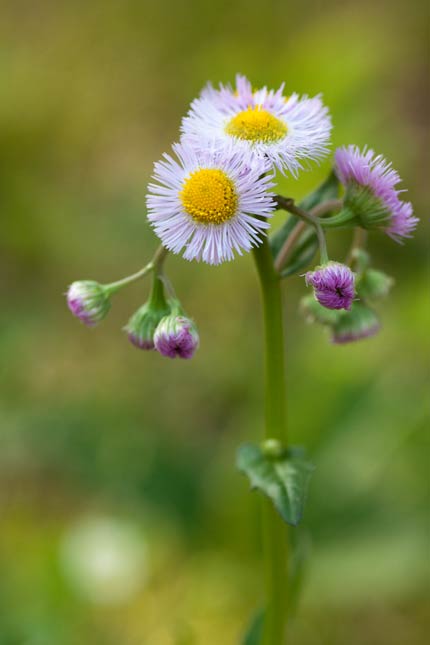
pixel 176 335
pixel 360 322
pixel 334 285
pixel 143 323
pixel 313 312
pixel 89 301
pixel 373 284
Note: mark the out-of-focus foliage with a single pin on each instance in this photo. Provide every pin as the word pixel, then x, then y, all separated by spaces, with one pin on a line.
pixel 102 443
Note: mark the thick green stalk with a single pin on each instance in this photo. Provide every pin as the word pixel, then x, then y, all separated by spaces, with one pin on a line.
pixel 274 529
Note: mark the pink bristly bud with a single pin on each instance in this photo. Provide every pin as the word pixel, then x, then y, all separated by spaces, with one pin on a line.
pixel 334 285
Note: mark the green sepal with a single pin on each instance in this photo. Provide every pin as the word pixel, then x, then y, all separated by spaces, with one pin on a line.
pixel 371 211
pixel 254 633
pixel 284 480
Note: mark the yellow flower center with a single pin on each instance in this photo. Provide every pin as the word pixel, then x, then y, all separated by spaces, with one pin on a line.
pixel 256 124
pixel 209 196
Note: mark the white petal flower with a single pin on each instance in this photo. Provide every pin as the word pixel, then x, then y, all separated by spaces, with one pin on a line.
pixel 282 130
pixel 210 203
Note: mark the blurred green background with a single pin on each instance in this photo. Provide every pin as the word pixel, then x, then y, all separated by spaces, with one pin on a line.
pixel 122 518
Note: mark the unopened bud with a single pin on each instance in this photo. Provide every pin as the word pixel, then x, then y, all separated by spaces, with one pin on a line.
pixel 334 285
pixel 142 325
pixel 360 322
pixel 273 449
pixel 89 301
pixel 373 284
pixel 176 335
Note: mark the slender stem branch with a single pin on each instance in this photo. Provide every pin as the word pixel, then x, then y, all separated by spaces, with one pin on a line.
pixel 288 245
pixel 358 242
pixel 274 529
pixel 327 207
pixel 155 263
pixel 288 204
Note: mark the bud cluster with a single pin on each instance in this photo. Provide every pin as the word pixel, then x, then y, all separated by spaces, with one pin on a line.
pixel 159 323
pixel 163 326
pixel 336 285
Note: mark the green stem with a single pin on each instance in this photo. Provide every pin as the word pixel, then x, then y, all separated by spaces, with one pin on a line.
pixel 274 529
pixel 345 216
pixel 155 263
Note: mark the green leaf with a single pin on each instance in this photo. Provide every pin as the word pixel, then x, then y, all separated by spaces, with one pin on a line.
pixel 254 633
pixel 283 480
pixel 329 189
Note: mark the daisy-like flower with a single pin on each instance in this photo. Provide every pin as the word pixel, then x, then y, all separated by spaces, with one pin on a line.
pixel 210 203
pixel 333 285
pixel 371 196
pixel 282 130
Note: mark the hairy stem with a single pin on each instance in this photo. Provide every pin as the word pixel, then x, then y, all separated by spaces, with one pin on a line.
pixel 274 529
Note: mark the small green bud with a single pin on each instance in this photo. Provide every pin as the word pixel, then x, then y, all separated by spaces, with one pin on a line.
pixel 373 284
pixel 360 322
pixel 273 449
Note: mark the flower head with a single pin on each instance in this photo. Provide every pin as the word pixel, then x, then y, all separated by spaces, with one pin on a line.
pixel 361 322
pixel 176 335
pixel 88 301
pixel 281 130
pixel 371 195
pixel 333 285
pixel 209 203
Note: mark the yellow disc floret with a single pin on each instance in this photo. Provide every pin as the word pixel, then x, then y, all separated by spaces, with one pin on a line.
pixel 209 196
pixel 257 125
